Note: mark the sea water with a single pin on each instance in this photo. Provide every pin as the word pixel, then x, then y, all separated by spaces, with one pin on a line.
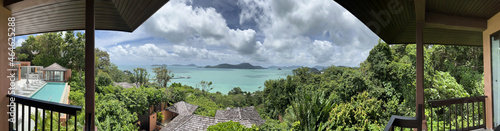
pixel 223 80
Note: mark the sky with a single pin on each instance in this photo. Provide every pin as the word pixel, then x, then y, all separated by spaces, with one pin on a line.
pixel 260 32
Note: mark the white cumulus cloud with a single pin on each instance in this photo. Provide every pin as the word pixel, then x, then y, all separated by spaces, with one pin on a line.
pixel 185 24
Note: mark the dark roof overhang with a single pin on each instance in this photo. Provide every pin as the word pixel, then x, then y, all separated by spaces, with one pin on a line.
pixel 448 22
pixel 40 16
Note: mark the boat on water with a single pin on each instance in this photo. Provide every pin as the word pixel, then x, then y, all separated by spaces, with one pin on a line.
pixel 279 68
pixel 182 77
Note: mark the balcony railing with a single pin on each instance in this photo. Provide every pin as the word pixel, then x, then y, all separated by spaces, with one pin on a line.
pixel 43 106
pixel 405 122
pixel 458 114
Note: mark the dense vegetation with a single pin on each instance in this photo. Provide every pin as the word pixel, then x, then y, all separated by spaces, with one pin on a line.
pixel 339 98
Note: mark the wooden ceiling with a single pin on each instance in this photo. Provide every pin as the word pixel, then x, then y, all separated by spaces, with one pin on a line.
pixel 449 22
pixel 38 16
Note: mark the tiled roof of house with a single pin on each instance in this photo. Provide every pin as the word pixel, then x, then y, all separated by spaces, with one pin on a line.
pixel 183 108
pixel 240 113
pixel 124 84
pixel 246 116
pixel 198 123
pixel 54 67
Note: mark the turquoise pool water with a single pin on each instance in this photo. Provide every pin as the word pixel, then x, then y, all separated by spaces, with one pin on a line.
pixel 51 90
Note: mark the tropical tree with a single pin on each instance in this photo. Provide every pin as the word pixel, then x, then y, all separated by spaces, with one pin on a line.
pixel 278 95
pixel 163 75
pixel 311 111
pixel 75 51
pixel 140 76
pixel 206 86
pixel 50 47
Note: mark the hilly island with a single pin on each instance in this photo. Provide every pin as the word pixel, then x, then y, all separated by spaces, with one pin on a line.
pixel 238 66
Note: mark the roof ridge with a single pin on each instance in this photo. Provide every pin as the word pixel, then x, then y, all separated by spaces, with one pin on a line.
pixel 239 112
pixel 190 117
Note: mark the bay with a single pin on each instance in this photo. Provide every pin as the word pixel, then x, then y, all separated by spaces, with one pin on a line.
pixel 223 80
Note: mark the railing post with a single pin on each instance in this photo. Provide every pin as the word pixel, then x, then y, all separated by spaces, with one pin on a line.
pixel 51 119
pixel 462 114
pixel 22 117
pixel 59 121
pixel 36 117
pixel 484 114
pixel 43 119
pixel 17 113
pixel 29 117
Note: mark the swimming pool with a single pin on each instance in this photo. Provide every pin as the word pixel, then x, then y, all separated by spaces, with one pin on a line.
pixel 51 91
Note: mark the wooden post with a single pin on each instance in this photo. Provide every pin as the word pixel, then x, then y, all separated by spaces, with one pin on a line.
pixel 89 66
pixel 420 21
pixel 4 81
pixel 420 69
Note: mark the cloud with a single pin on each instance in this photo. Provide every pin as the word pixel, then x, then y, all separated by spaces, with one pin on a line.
pixel 321 26
pixel 143 51
pixel 19 41
pixel 188 25
pixel 147 53
pixel 322 51
pixel 106 39
pixel 187 52
pixel 264 32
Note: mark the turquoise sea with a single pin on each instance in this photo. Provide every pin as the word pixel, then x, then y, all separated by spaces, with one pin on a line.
pixel 223 79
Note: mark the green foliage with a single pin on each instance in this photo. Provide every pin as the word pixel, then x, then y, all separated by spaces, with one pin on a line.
pixel 205 86
pixel 175 94
pixel 135 100
pixel 102 59
pixel 380 57
pixel 77 98
pixel 235 91
pixel 206 107
pixel 351 84
pixel 109 109
pixel 278 95
pixel 140 76
pixel 48 118
pixel 50 47
pixel 117 108
pixel 311 111
pixel 103 79
pixel 163 75
pixel 274 125
pixel 159 117
pixel 76 48
pixel 445 87
pixel 75 82
pixel 228 126
pixel 22 57
pixel 362 113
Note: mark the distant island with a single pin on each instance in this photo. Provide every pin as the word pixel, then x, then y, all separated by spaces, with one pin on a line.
pixel 159 65
pixel 183 65
pixel 238 66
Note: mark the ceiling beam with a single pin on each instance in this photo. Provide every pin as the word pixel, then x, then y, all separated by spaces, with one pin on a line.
pixel 9 2
pixel 16 5
pixel 420 10
pixel 436 20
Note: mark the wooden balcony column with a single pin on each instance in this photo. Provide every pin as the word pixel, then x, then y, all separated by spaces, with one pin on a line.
pixel 420 21
pixel 89 66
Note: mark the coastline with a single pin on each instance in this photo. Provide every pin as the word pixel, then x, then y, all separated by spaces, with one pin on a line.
pixel 223 80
